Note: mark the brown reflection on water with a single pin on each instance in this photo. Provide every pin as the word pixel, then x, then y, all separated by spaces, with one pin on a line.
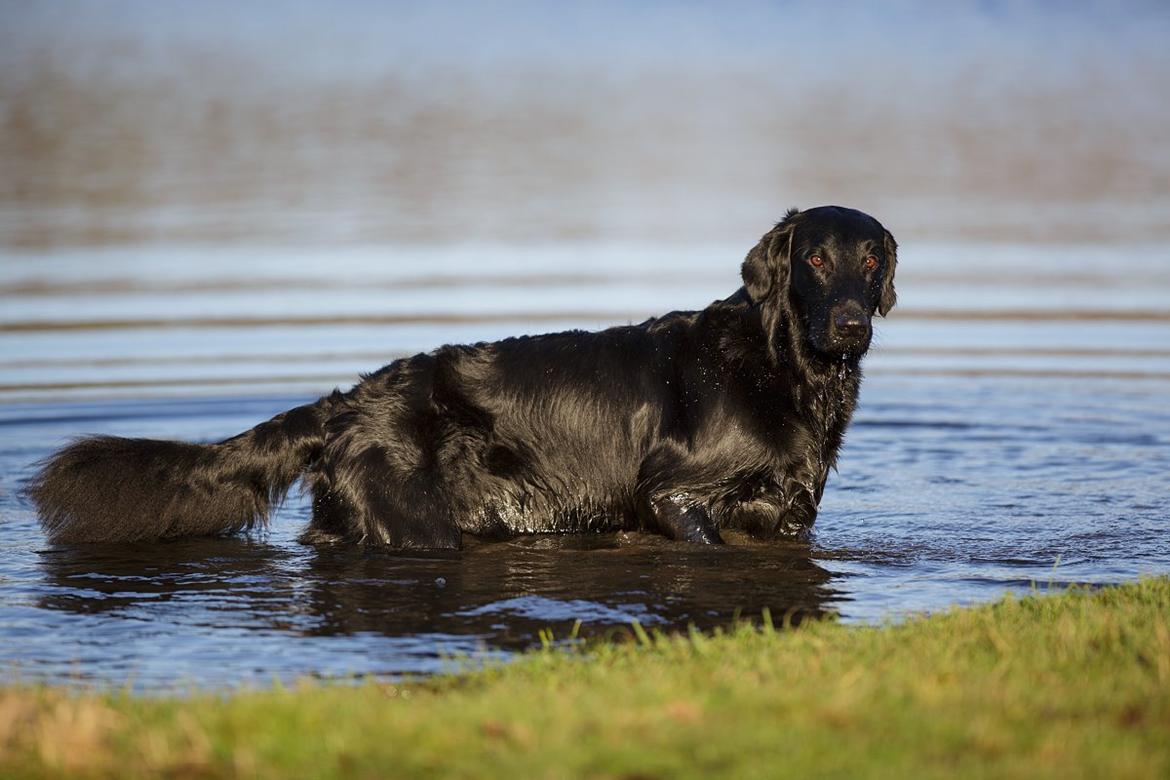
pixel 500 593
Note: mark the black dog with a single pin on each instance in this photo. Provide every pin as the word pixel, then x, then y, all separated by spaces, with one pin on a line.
pixel 730 417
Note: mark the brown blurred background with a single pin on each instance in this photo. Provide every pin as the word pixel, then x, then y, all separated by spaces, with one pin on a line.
pixel 356 121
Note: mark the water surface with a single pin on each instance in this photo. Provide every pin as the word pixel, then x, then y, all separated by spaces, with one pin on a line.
pixel 1012 430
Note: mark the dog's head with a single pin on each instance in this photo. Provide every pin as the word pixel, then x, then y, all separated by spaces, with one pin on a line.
pixel 829 269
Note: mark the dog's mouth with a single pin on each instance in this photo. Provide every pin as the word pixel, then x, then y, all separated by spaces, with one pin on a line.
pixel 850 348
pixel 837 346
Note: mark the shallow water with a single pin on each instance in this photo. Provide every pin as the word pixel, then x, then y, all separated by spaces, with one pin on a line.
pixel 1013 430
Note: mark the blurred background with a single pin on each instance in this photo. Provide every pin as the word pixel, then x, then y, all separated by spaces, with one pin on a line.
pixel 212 211
pixel 360 121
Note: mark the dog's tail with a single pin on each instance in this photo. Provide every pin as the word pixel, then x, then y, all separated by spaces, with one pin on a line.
pixel 109 489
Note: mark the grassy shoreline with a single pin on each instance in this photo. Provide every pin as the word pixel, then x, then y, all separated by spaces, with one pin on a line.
pixel 1069 685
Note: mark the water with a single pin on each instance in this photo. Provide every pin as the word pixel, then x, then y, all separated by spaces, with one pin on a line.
pixel 1012 430
pixel 206 219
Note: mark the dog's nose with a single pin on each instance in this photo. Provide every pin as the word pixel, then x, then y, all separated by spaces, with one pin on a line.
pixel 851 325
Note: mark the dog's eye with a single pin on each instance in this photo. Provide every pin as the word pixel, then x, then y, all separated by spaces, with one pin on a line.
pixel 871 262
pixel 817 260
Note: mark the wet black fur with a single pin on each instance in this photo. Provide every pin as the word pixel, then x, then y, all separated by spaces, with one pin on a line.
pixel 729 417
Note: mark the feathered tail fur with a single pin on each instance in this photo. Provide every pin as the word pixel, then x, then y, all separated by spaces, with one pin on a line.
pixel 109 489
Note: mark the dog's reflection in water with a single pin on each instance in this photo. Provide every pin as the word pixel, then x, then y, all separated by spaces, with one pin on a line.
pixel 502 592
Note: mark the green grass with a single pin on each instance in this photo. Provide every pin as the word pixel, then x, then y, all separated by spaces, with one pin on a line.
pixel 1070 685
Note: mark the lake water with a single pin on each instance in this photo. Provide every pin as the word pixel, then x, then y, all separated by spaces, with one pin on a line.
pixel 1013 430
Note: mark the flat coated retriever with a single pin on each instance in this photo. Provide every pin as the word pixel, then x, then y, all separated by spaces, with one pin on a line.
pixel 725 418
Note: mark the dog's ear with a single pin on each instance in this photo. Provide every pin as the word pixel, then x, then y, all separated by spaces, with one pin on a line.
pixel 889 296
pixel 767 265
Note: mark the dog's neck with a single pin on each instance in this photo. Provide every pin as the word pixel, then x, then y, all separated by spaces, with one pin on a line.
pixel 824 389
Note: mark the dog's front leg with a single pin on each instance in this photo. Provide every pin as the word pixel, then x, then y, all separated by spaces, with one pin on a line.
pixel 666 495
pixel 680 517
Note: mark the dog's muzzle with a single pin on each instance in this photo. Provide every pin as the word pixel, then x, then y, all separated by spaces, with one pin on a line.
pixel 849 329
